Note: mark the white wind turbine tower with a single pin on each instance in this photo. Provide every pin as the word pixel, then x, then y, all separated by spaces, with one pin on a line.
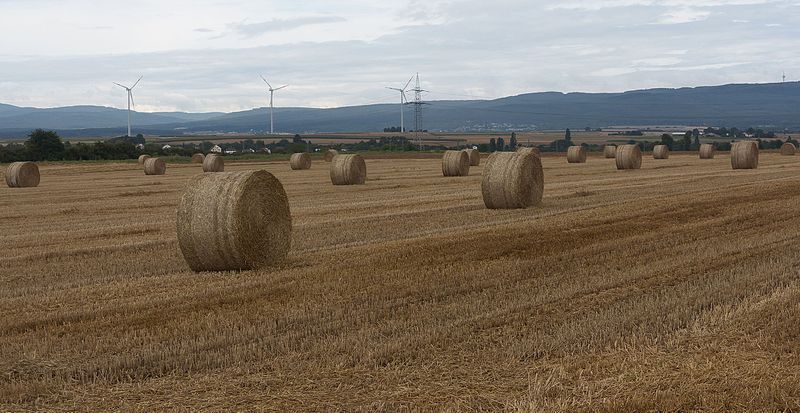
pixel 130 100
pixel 403 101
pixel 271 108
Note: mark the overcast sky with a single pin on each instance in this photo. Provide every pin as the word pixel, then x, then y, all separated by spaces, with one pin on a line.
pixel 207 55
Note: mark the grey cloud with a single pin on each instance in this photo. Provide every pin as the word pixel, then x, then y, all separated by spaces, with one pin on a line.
pixel 277 25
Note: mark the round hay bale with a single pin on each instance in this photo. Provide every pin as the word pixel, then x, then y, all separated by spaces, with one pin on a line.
pixel 474 157
pixel 629 157
pixel 234 221
pixel 213 163
pixel 455 163
pixel 348 170
pixel 610 151
pixel 661 152
pixel 143 158
pixel 512 180
pixel 300 161
pixel 744 155
pixel 198 158
pixel 788 149
pixel 155 166
pixel 707 151
pixel 576 154
pixel 22 175
pixel 330 154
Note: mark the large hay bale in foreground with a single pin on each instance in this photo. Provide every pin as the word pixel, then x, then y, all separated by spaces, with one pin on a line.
pixel 455 163
pixel 474 157
pixel 744 155
pixel 234 221
pixel 707 151
pixel 213 163
pixel 661 152
pixel 143 158
pixel 155 166
pixel 610 151
pixel 576 154
pixel 629 157
pixel 788 149
pixel 22 175
pixel 330 154
pixel 512 180
pixel 300 161
pixel 198 158
pixel 348 170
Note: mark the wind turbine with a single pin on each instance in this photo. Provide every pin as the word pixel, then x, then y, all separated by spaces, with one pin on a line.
pixel 271 108
pixel 130 100
pixel 403 100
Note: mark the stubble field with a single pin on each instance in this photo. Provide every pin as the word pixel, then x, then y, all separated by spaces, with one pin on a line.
pixel 674 287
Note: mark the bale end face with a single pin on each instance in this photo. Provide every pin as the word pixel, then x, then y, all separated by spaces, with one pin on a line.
pixel 455 163
pixel 744 155
pixel 300 161
pixel 576 154
pixel 512 180
pixel 155 166
pixel 233 221
pixel 629 157
pixel 661 152
pixel 22 175
pixel 143 158
pixel 213 163
pixel 348 170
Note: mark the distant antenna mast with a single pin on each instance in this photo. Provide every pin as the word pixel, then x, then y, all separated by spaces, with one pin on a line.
pixel 784 77
pixel 418 112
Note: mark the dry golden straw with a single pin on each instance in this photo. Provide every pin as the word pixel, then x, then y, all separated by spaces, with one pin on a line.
pixel 22 175
pixel 512 180
pixel 143 158
pixel 788 149
pixel 526 149
pixel 474 157
pixel 661 152
pixel 155 166
pixel 576 154
pixel 198 158
pixel 213 163
pixel 300 161
pixel 707 151
pixel 330 154
pixel 610 151
pixel 455 163
pixel 234 221
pixel 348 170
pixel 629 157
pixel 744 155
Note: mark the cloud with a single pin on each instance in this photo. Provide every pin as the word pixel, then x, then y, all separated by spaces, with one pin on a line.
pixel 278 25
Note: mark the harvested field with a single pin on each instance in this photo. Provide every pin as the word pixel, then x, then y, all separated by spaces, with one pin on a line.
pixel 672 287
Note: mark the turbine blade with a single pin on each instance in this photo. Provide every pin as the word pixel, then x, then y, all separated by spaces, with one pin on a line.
pixel 408 83
pixel 265 81
pixel 122 86
pixel 137 82
pixel 131 96
pixel 281 87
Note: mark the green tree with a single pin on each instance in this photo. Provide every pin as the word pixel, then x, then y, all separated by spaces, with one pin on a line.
pixel 512 144
pixel 696 144
pixel 501 144
pixel 568 136
pixel 44 145
pixel 686 142
pixel 492 145
pixel 666 139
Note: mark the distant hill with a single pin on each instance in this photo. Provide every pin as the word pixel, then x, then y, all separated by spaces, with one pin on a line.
pixel 769 106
